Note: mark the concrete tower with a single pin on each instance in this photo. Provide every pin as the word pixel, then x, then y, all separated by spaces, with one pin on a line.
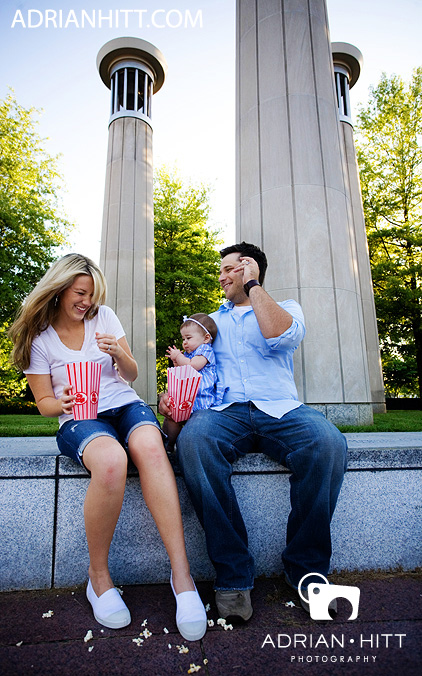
pixel 292 199
pixel 134 70
pixel 348 60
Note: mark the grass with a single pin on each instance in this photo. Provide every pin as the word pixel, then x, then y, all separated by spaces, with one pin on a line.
pixel 27 426
pixel 37 426
pixel 392 421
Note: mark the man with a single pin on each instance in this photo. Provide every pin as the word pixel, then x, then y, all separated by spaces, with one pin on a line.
pixel 260 412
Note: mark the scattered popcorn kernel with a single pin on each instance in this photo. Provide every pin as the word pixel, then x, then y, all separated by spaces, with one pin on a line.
pixel 138 641
pixel 221 621
pixel 165 630
pixel 88 636
pixel 228 626
pixel 144 623
pixel 207 608
pixel 169 646
pixel 290 604
pixel 91 649
pixel 193 669
pixel 210 623
pixel 182 649
pixel 50 613
pixel 19 644
pixel 205 661
pixel 146 633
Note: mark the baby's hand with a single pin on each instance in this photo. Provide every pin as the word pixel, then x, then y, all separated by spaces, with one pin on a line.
pixel 173 353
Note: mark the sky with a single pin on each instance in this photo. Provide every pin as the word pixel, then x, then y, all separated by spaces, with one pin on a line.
pixel 52 67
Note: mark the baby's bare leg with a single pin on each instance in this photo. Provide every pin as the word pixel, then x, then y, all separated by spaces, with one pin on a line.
pixel 172 429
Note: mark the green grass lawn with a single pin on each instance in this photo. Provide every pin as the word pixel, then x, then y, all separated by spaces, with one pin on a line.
pixel 392 421
pixel 27 426
pixel 37 426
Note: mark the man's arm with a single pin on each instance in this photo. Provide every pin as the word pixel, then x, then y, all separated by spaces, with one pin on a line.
pixel 272 319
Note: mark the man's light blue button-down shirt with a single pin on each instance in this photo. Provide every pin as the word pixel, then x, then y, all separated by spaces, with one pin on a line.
pixel 252 367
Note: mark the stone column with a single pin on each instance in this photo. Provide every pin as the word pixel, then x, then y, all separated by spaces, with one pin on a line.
pixel 348 60
pixel 133 69
pixel 292 199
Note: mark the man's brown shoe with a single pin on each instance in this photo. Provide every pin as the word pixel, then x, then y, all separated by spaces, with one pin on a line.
pixel 234 603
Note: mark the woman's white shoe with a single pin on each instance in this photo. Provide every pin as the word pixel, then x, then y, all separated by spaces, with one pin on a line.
pixel 109 609
pixel 191 618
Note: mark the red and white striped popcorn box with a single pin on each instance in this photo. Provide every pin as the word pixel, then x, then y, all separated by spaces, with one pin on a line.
pixel 84 377
pixel 182 385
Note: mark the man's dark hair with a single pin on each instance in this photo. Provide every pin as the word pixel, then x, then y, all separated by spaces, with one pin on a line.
pixel 246 249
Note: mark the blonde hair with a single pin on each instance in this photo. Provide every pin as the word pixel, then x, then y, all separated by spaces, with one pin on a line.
pixel 40 308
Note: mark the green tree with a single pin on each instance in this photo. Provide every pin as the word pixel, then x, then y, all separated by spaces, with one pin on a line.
pixel 31 222
pixel 389 134
pixel 186 259
pixel 12 383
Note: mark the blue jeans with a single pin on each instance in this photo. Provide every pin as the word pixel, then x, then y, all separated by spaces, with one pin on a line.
pixel 119 423
pixel 304 442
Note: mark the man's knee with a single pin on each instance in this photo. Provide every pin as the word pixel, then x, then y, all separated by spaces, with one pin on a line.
pixel 332 447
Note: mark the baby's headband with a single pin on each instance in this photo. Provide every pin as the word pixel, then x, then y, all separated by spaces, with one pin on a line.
pixel 190 319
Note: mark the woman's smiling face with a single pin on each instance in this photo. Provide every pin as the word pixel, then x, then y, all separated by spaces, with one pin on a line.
pixel 75 301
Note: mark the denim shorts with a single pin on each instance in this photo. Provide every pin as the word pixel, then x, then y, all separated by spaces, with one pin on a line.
pixel 118 423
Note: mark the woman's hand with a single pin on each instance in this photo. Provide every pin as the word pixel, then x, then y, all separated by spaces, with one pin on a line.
pixel 119 351
pixel 67 400
pixel 108 344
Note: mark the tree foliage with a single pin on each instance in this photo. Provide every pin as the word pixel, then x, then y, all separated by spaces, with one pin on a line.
pixel 186 259
pixel 31 223
pixel 389 135
pixel 12 383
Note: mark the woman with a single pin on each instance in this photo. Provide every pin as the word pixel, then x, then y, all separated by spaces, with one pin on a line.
pixel 62 321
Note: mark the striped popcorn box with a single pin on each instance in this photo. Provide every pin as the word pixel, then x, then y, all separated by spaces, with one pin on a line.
pixel 84 377
pixel 182 385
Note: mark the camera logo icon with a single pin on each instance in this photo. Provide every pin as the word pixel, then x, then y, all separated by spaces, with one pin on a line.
pixel 321 595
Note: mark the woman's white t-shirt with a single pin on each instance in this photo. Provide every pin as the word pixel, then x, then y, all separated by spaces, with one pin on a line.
pixel 49 356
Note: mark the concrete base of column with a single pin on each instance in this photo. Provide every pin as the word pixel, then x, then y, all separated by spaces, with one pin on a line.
pixel 346 414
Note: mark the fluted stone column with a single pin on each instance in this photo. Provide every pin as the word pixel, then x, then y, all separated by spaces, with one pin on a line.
pixel 134 70
pixel 292 199
pixel 348 60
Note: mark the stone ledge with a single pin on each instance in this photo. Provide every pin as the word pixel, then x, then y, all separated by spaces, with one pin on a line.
pixel 37 456
pixel 377 521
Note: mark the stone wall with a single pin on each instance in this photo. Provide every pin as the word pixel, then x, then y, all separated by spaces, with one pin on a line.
pixel 377 523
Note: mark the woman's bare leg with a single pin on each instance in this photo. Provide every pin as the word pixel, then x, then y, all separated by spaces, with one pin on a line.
pixel 159 489
pixel 105 458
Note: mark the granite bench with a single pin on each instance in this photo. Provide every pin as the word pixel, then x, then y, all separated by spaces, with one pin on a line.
pixel 377 523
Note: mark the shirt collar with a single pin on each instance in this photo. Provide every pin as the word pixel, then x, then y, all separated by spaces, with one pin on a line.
pixel 229 305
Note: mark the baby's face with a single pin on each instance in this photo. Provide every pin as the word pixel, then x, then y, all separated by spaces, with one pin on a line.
pixel 192 337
